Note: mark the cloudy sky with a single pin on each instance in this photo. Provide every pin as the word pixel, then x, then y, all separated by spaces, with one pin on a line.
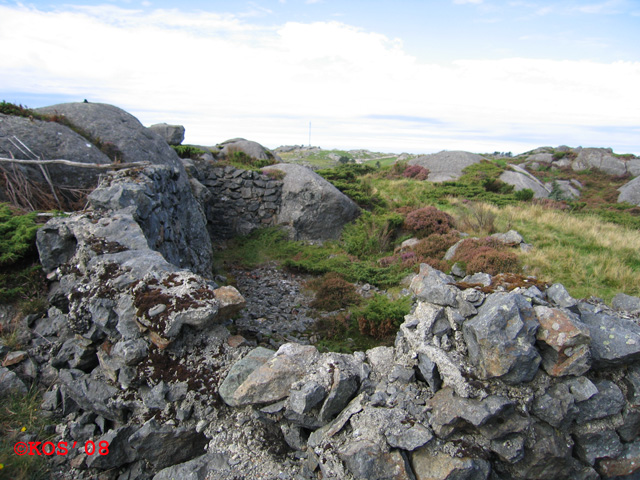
pixel 394 76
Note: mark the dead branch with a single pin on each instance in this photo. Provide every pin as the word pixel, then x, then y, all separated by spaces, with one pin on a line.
pixel 99 166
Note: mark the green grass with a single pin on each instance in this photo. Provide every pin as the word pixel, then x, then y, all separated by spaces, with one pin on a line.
pixel 20 414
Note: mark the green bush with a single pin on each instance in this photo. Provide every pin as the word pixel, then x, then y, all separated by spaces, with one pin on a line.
pixel 188 151
pixel 524 195
pixel 348 179
pixel 370 234
pixel 17 235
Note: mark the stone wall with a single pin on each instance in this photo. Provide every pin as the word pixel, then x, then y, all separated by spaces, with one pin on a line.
pixel 238 201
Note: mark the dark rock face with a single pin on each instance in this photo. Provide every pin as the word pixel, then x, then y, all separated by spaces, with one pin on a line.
pixel 501 339
pixel 172 220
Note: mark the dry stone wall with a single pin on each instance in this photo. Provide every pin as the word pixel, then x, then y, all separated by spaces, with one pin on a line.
pixel 237 201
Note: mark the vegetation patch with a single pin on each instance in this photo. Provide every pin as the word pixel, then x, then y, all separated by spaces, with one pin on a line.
pixel 20 415
pixel 486 255
pixel 334 293
pixel 427 221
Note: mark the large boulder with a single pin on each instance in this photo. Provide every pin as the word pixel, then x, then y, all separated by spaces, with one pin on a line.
pixel 133 141
pixel 173 134
pixel 445 165
pixel 312 208
pixel 630 192
pixel 600 159
pixel 29 139
pixel 248 147
pixel 521 179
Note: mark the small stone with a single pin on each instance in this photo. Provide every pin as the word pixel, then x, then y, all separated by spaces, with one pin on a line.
pixel 236 341
pixel 13 358
pixel 157 310
pixel 564 342
pixel 557 294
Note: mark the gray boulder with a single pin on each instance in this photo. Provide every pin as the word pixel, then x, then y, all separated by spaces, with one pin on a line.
pixel 172 220
pixel 312 208
pixel 110 124
pixel 173 134
pixel 10 383
pixel 501 339
pixel 614 341
pixel 50 141
pixel 521 179
pixel 444 166
pixel 250 148
pixel 166 445
pixel 241 370
pixel 630 192
pixel 626 303
pixel 600 159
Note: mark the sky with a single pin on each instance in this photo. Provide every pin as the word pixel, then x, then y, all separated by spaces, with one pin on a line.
pixel 413 76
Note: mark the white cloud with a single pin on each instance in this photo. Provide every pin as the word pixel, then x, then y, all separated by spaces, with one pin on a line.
pixel 224 77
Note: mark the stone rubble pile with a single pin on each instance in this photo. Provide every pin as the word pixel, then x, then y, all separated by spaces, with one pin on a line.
pixel 526 384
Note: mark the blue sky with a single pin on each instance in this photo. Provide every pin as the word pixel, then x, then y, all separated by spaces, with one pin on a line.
pixel 415 76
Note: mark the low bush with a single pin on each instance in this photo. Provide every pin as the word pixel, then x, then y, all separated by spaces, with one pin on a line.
pixel 188 151
pixel 486 255
pixel 427 221
pixel 524 195
pixel 370 234
pixel 381 317
pixel 436 245
pixel 416 172
pixel 334 293
pixel 478 218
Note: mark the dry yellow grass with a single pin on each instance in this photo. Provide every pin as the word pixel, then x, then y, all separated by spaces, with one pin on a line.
pixel 585 254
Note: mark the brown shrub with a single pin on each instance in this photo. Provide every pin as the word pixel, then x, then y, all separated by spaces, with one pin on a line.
pixel 335 293
pixel 377 330
pixel 488 256
pixel 429 220
pixel 436 245
pixel 416 172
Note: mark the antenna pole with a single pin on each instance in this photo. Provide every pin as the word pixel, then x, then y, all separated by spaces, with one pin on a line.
pixel 309 134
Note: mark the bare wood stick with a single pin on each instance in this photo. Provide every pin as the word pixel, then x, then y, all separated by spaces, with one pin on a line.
pixel 99 166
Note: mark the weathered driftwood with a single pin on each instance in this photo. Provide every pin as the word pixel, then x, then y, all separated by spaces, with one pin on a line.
pixel 99 166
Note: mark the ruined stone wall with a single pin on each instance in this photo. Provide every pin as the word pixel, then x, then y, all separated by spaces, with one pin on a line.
pixel 239 201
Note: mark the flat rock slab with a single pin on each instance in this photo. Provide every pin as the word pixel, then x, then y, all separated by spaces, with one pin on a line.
pixel 272 381
pixel 240 371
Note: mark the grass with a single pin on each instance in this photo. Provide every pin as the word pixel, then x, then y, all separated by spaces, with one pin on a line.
pixel 586 254
pixel 19 415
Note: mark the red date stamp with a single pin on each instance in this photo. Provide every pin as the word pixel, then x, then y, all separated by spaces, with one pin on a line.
pixel 60 448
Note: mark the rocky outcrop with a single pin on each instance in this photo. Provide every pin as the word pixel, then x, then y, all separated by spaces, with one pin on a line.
pixel 132 141
pixel 248 147
pixel 172 134
pixel 312 208
pixel 172 220
pixel 29 139
pixel 601 159
pixel 521 179
pixel 445 165
pixel 630 192
pixel 494 413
